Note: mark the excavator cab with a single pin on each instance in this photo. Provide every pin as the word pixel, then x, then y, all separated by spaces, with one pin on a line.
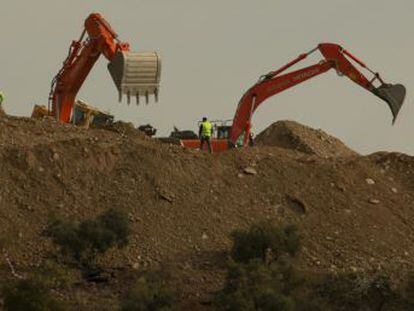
pixel 223 131
pixel 85 115
pixel 221 128
pixel 136 74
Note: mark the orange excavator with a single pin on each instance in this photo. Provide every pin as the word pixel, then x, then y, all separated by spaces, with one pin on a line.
pixel 335 57
pixel 134 74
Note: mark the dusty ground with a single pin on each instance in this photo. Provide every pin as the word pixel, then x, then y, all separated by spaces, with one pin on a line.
pixel 355 213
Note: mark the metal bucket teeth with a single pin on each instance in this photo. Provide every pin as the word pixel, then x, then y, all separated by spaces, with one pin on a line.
pixel 136 73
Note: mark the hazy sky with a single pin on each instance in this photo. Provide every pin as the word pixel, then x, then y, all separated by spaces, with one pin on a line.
pixel 214 50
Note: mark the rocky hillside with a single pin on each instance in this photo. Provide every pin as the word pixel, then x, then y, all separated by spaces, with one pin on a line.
pixel 354 213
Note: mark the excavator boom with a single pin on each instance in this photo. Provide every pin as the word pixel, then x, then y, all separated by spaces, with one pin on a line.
pixel 335 57
pixel 134 74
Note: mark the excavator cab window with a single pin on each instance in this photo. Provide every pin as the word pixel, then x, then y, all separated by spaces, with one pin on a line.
pixel 221 128
pixel 223 132
pixel 78 116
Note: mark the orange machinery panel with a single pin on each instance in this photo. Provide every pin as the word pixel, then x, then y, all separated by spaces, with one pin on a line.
pixel 218 145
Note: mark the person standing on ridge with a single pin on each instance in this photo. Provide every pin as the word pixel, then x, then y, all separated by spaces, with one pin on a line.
pixel 1 97
pixel 205 132
pixel 1 102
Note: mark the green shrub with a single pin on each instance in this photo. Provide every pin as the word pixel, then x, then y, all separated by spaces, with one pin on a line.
pixel 29 295
pixel 83 241
pixel 407 290
pixel 257 286
pixel 54 275
pixel 256 283
pixel 116 221
pixel 264 237
pixel 151 292
pixel 66 234
pixel 34 292
pixel 351 291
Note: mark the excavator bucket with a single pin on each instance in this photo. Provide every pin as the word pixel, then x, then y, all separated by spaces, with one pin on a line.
pixel 136 74
pixel 394 95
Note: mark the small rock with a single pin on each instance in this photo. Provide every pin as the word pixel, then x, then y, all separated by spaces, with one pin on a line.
pixel 166 195
pixel 250 171
pixel 204 236
pixel 374 201
pixel 394 190
pixel 370 181
pixel 353 269
pixel 341 188
pixel 55 156
pixel 240 175
pixel 41 169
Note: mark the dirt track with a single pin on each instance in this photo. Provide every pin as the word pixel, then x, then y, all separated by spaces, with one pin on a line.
pixel 355 213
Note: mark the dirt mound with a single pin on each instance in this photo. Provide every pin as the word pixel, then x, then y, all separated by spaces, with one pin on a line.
pixel 295 136
pixel 354 213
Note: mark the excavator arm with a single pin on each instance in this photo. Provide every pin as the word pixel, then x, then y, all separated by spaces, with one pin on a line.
pixel 335 57
pixel 133 73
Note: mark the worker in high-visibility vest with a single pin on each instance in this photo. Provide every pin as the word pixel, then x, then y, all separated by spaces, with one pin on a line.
pixel 205 132
pixel 1 97
pixel 1 102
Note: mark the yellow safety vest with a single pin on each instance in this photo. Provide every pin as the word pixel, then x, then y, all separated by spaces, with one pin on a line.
pixel 206 129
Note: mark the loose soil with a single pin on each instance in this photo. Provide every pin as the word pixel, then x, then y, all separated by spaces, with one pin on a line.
pixel 355 213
